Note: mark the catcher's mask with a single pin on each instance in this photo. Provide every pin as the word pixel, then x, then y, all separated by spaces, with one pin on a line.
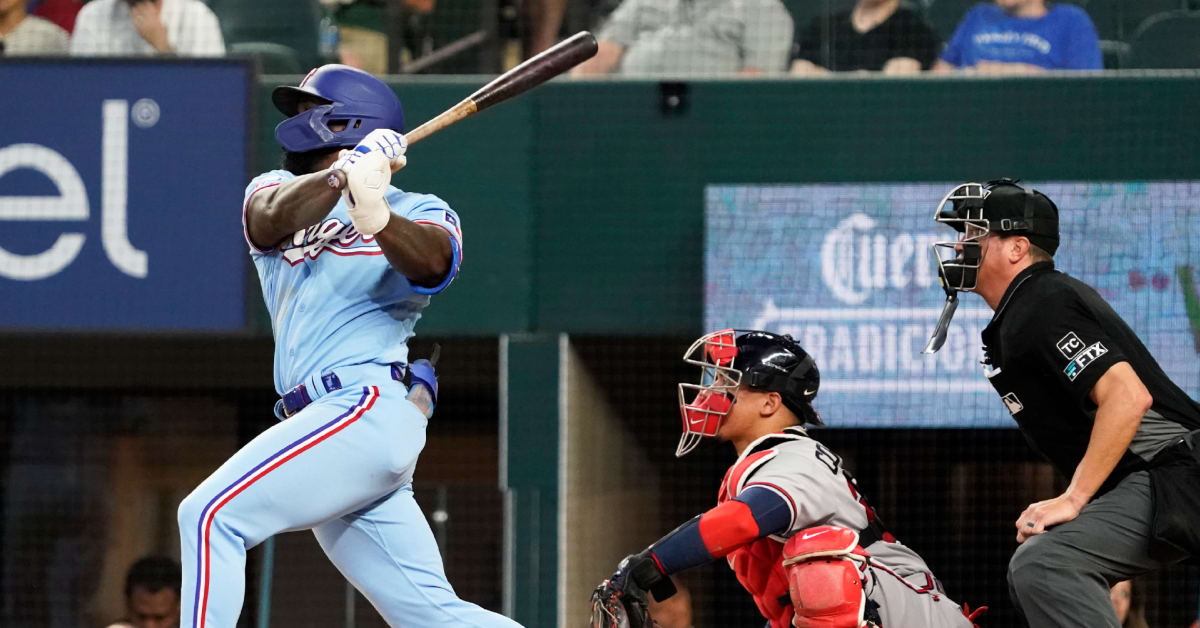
pixel 729 358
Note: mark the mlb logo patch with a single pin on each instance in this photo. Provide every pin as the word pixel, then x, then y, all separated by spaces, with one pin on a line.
pixel 1013 404
pixel 1069 345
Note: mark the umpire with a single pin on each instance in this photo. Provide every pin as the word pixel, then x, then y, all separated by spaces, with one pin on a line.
pixel 1088 397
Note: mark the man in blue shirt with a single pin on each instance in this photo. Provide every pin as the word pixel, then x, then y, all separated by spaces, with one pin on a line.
pixel 1015 37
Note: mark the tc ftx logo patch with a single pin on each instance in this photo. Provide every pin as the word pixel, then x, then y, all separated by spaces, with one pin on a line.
pixel 1069 345
pixel 1083 359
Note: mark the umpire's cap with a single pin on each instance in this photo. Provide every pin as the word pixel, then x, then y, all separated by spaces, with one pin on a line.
pixel 1011 210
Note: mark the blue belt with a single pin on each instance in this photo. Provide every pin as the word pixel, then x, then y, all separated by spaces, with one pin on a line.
pixel 301 396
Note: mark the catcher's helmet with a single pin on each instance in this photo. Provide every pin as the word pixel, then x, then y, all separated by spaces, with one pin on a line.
pixel 345 94
pixel 758 359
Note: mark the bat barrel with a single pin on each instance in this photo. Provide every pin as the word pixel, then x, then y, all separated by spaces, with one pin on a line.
pixel 538 69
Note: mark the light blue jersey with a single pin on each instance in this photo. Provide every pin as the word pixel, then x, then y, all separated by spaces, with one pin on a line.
pixel 341 461
pixel 333 298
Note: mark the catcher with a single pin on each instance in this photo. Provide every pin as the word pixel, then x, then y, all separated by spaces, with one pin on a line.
pixel 789 519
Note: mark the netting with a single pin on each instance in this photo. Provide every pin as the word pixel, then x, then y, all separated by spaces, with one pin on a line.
pixel 641 37
pixel 661 192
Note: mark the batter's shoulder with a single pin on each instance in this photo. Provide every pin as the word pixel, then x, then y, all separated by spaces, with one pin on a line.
pixel 266 179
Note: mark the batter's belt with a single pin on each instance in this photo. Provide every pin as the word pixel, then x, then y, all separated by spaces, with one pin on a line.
pixel 317 386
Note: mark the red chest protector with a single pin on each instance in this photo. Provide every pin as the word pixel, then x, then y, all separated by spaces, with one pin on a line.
pixel 759 565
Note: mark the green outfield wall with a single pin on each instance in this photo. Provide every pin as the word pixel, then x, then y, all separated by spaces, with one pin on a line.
pixel 582 202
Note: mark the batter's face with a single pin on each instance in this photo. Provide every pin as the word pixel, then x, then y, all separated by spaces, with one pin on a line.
pixel 305 105
pixel 316 160
pixel 158 609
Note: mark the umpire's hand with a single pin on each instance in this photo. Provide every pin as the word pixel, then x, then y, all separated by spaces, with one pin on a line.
pixel 1037 517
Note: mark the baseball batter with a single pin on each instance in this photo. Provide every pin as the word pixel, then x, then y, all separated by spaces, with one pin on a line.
pixel 789 518
pixel 345 277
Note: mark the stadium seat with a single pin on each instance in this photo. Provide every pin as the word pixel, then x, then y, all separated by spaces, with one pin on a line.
pixel 1106 16
pixel 1114 53
pixel 273 58
pixel 1166 41
pixel 290 23
pixel 457 37
pixel 944 15
pixel 803 11
pixel 1135 12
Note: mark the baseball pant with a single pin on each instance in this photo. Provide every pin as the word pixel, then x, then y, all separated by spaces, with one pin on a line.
pixel 1062 577
pixel 342 467
pixel 913 601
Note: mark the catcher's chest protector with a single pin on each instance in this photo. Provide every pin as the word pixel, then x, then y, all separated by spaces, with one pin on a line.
pixel 759 567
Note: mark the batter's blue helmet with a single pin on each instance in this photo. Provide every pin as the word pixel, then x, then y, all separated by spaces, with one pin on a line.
pixel 345 94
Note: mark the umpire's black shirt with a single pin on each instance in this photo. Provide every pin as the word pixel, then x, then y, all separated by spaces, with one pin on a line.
pixel 1050 341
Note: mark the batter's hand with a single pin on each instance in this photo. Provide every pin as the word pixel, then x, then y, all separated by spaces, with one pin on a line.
pixel 384 141
pixel 367 182
pixel 1037 517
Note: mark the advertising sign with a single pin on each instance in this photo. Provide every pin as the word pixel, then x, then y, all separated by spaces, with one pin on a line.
pixel 120 195
pixel 848 271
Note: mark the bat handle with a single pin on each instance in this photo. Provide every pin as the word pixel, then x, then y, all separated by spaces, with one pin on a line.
pixel 336 179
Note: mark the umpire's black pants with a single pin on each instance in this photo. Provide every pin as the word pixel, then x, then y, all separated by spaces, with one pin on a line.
pixel 1062 578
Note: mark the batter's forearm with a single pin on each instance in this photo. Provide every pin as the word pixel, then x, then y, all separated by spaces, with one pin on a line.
pixel 304 201
pixel 421 252
pixel 273 214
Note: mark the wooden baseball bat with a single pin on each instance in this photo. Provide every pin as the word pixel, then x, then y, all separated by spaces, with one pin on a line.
pixel 533 72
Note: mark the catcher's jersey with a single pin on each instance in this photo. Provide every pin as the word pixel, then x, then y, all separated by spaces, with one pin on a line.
pixel 810 479
pixel 333 298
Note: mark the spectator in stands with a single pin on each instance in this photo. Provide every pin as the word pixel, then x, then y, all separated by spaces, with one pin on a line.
pixel 23 34
pixel 876 35
pixel 693 38
pixel 147 27
pixel 1014 37
pixel 152 594
pixel 1129 601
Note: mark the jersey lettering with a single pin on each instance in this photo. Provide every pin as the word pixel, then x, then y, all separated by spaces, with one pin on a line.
pixel 828 458
pixel 331 235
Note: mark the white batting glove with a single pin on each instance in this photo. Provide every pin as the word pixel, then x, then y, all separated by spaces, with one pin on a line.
pixel 392 144
pixel 386 141
pixel 367 182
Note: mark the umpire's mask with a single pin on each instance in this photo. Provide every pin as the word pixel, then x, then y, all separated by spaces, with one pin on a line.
pixel 959 260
